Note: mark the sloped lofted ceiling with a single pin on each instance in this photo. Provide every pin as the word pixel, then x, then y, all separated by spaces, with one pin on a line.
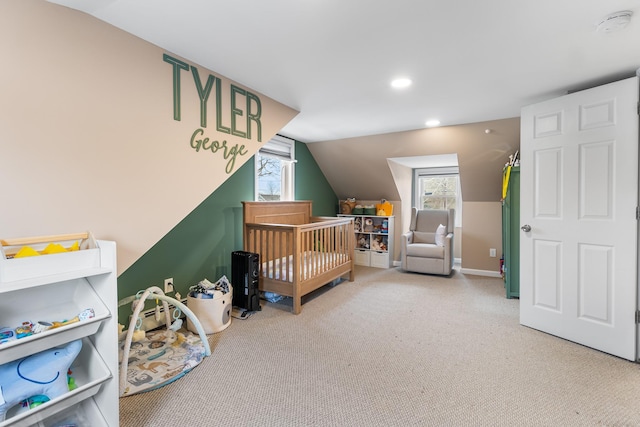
pixel 470 61
pixel 358 167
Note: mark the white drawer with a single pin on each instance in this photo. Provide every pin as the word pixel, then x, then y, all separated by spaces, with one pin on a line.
pixel 362 257
pixel 379 259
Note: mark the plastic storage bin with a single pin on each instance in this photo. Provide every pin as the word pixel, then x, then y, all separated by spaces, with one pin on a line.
pixel 214 313
pixel 89 372
pixel 14 269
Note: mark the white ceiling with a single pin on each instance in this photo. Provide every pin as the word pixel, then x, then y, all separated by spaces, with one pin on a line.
pixel 333 60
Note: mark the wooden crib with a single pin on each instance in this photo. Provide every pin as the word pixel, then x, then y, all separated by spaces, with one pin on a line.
pixel 299 253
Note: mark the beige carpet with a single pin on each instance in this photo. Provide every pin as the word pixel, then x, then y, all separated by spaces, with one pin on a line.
pixel 395 349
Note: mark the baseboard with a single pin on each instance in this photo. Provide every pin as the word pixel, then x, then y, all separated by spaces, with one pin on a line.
pixel 475 272
pixel 149 320
pixel 456 261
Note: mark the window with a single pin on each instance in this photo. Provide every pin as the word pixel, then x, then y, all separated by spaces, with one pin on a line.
pixel 274 170
pixel 438 188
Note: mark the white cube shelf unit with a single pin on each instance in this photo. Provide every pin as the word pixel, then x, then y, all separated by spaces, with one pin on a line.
pixel 55 287
pixel 374 240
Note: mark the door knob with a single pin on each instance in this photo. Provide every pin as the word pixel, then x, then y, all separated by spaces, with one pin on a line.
pixel 526 228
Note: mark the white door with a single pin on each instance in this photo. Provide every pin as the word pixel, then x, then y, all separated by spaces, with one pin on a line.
pixel 579 195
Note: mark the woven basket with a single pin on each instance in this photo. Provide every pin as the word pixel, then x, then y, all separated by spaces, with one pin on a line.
pixel 346 206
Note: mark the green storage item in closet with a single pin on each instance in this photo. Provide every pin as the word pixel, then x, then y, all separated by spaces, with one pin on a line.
pixel 511 235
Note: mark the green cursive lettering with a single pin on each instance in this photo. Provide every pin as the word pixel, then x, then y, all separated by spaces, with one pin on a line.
pixel 229 153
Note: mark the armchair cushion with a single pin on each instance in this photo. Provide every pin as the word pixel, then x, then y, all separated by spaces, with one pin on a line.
pixel 441 232
pixel 424 237
pixel 425 250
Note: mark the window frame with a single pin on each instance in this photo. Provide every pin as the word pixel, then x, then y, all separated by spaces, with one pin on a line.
pixel 281 148
pixel 439 171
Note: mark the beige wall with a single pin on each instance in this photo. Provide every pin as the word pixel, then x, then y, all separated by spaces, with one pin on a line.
pixel 360 167
pixel 481 230
pixel 87 134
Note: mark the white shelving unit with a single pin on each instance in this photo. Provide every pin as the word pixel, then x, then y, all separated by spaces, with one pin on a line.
pixel 374 240
pixel 56 287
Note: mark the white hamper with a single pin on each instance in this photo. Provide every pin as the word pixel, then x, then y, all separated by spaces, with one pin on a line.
pixel 214 313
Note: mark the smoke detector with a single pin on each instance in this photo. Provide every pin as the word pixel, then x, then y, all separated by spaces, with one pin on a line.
pixel 614 22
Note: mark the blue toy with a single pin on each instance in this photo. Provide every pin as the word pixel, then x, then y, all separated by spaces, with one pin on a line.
pixel 43 373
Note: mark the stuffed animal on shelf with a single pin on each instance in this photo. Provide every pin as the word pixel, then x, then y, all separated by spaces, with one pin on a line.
pixel 375 245
pixel 43 373
pixel 363 243
pixel 378 244
pixel 368 225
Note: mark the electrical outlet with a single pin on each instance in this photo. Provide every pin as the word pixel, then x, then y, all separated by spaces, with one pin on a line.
pixel 492 253
pixel 168 285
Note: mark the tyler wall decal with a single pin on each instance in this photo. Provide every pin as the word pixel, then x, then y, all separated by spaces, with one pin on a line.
pixel 244 107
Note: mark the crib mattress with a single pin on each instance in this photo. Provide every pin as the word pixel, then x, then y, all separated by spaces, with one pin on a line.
pixel 312 263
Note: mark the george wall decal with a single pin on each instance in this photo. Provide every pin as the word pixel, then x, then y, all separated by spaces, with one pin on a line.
pixel 244 108
pixel 206 144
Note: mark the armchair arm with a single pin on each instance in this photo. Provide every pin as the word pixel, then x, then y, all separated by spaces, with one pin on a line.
pixel 448 252
pixel 406 239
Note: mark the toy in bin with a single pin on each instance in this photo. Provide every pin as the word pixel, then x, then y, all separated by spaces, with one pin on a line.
pixel 43 373
pixel 27 328
pixel 24 330
pixel 7 334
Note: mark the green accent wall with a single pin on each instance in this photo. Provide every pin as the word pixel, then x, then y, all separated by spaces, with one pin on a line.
pixel 200 245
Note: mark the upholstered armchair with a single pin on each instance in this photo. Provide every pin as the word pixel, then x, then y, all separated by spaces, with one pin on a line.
pixel 428 246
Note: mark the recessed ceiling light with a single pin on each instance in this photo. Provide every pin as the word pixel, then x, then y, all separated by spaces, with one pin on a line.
pixel 432 123
pixel 401 83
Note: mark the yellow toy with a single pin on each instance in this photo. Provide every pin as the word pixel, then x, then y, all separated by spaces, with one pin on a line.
pixel 138 335
pixel 26 251
pixel 52 248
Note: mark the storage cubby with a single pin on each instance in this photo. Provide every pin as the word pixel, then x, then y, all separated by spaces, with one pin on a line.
pixel 40 290
pixel 374 240
pixel 363 241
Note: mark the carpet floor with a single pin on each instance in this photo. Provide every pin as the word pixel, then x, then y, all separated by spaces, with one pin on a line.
pixel 395 349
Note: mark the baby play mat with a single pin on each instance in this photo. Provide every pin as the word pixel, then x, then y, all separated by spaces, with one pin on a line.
pixel 158 360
